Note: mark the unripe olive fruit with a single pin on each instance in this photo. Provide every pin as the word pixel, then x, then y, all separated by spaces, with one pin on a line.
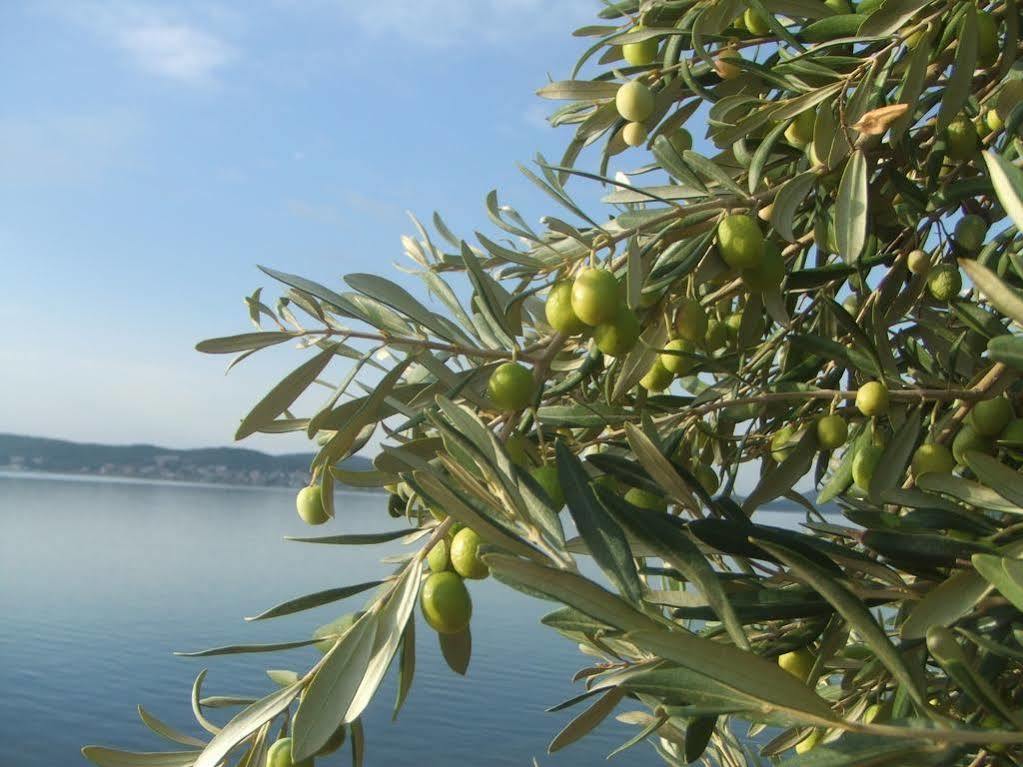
pixel 987 39
pixel 832 431
pixel 961 139
pixel 465 555
pixel 970 232
pixel 547 477
pixel 511 387
pixel 559 312
pixel 677 363
pixel 932 458
pixel 809 743
pixel 445 603
pixel 707 478
pixel 872 399
pixel 716 336
pixel 969 439
pixel 724 63
pixel 617 337
pixel 944 283
pixel 864 464
pixel 642 53
pixel 867 7
pixel 519 449
pixel 914 39
pixel 769 273
pixel 309 503
pixel 596 296
pixel 878 712
pixel 851 304
pixel 657 378
pixel 682 140
pixel 782 442
pixel 279 755
pixel 756 22
pixel 329 632
pixel 990 416
pixel 439 558
pixel 634 134
pixel 646 500
pixel 839 6
pixel 993 121
pixel 918 262
pixel 634 101
pixel 690 321
pixel 740 241
pixel 800 130
pixel 798 662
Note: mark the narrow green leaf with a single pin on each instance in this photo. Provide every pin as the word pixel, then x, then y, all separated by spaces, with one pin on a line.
pixel 891 18
pixel 1007 180
pixel 968 491
pixel 747 675
pixel 588 720
pixel 354 539
pixel 583 90
pixel 856 750
pixel 1008 350
pixel 945 604
pixel 241 649
pixel 1007 482
pixel 245 723
pixel 855 613
pixel 333 688
pixel 406 667
pixel 243 342
pixel 164 730
pixel 896 456
pixel 1004 573
pixel 205 723
pixel 390 627
pixel 851 208
pixel 790 196
pixel 781 479
pixel 284 394
pixel 358 743
pixel 309 601
pixel 603 537
pixel 457 650
pixel 957 89
pixel 678 551
pixel 710 170
pixel 658 466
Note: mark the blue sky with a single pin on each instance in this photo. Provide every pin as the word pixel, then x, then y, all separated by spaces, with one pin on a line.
pixel 153 153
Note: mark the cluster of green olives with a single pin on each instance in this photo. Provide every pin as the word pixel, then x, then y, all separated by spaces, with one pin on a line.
pixel 444 599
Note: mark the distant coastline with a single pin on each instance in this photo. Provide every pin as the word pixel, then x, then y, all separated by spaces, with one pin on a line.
pixel 206 466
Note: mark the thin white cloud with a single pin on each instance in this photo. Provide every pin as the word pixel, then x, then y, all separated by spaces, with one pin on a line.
pixel 177 43
pixel 175 50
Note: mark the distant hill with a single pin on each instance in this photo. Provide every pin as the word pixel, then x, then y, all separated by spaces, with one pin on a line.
pixel 220 465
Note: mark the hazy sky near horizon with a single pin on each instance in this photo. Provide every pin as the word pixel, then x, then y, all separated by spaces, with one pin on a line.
pixel 153 153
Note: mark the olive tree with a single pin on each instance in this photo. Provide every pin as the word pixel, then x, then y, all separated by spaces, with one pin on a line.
pixel 821 301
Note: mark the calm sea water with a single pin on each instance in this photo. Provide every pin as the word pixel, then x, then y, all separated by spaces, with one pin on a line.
pixel 100 581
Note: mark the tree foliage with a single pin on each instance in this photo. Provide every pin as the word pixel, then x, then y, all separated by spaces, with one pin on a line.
pixel 786 302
